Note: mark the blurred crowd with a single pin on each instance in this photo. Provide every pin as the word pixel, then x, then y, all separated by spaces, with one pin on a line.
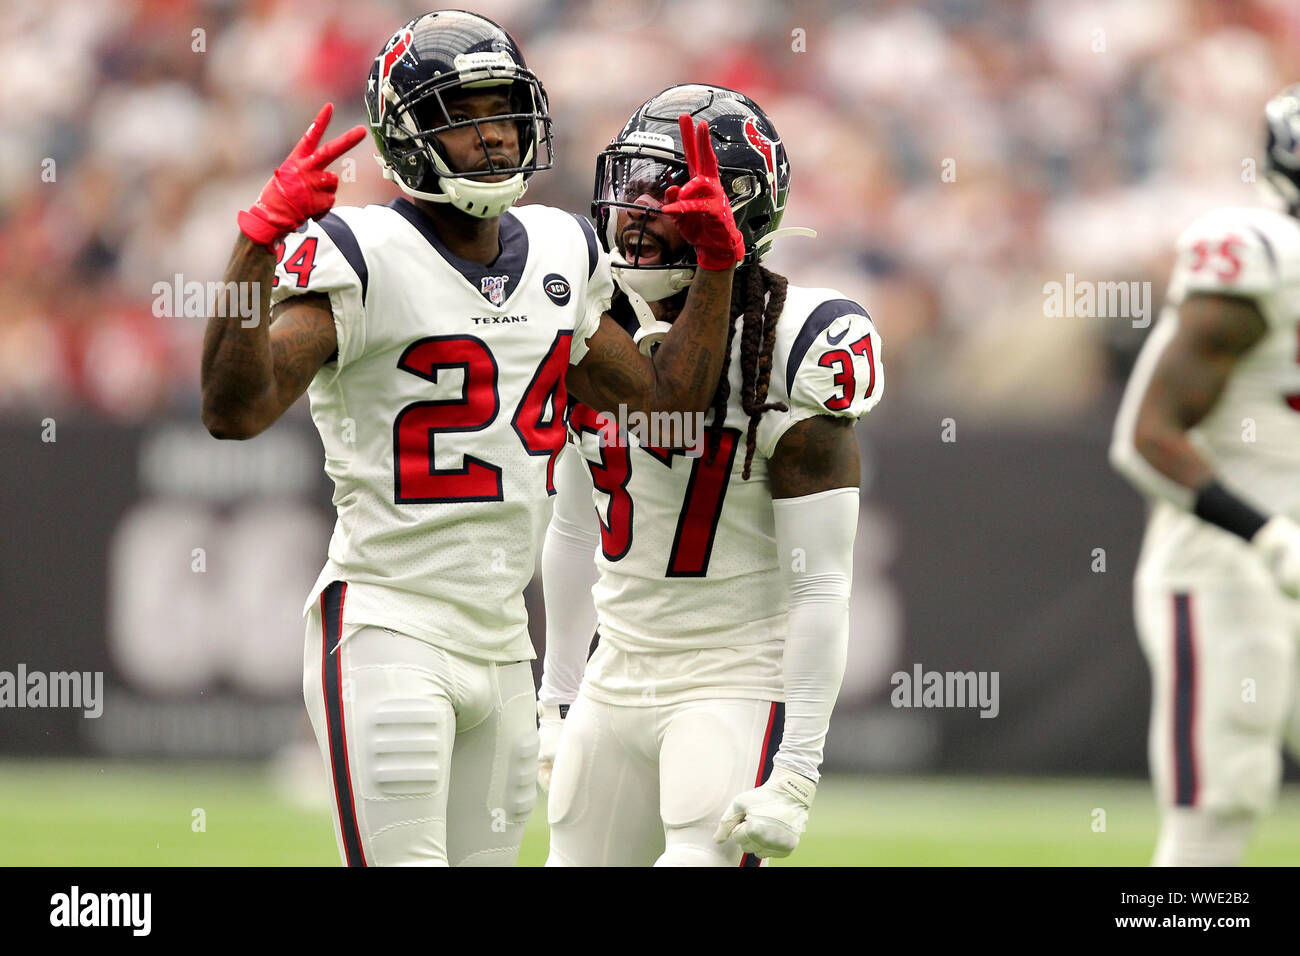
pixel 954 155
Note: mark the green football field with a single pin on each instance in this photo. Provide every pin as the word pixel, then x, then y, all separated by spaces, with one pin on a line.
pixel 105 814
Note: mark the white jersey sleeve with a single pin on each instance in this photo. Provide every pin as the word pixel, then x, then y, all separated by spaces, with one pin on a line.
pixel 1250 438
pixel 323 256
pixel 598 291
pixel 1230 252
pixel 826 361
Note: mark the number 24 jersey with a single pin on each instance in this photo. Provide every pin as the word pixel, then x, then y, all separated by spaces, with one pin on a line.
pixel 442 414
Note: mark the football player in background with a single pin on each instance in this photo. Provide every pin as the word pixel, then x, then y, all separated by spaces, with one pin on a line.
pixel 722 579
pixel 1209 430
pixel 436 337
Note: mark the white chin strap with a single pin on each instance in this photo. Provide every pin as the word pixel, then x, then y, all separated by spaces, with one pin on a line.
pixel 788 231
pixel 652 330
pixel 643 286
pixel 653 285
pixel 483 200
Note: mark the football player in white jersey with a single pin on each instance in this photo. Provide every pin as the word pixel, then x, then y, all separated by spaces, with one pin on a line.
pixel 1209 430
pixel 436 337
pixel 721 582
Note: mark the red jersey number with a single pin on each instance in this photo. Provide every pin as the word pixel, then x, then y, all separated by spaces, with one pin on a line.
pixel 697 522
pixel 1226 264
pixel 537 420
pixel 844 378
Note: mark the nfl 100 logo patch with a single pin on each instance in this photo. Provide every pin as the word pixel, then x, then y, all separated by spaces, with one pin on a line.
pixel 494 287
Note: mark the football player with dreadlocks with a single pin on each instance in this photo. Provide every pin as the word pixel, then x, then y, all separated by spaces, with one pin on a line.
pixel 721 583
pixel 436 337
pixel 1209 431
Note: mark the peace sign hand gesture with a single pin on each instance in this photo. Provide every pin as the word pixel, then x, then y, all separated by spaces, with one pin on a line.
pixel 302 188
pixel 701 209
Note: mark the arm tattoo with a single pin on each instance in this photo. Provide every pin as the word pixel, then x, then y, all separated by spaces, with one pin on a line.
pixel 243 391
pixel 616 373
pixel 236 361
pixel 301 339
pixel 683 373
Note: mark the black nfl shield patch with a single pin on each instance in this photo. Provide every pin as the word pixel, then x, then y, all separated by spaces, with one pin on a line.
pixel 557 288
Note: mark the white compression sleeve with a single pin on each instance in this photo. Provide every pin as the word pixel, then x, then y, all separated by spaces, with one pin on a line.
pixel 568 574
pixel 814 538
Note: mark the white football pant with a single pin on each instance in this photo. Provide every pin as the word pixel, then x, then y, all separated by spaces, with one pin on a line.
pixel 433 755
pixel 1224 677
pixel 635 786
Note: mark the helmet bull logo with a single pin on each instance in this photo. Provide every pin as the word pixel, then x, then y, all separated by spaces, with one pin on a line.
pixel 396 49
pixel 765 148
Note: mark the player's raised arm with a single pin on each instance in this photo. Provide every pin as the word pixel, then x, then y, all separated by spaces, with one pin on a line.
pixel 253 371
pixel 683 373
pixel 1177 381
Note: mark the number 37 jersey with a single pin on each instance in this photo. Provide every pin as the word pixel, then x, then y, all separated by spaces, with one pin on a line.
pixel 688 559
pixel 442 413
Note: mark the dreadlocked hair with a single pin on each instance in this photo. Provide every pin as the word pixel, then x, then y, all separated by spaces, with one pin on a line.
pixel 759 300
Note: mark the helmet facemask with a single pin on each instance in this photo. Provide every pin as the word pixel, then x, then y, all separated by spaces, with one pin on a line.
pixel 752 166
pixel 1282 160
pixel 634 176
pixel 409 124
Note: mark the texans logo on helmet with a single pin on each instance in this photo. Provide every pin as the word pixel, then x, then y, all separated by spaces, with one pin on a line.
pixel 556 288
pixel 397 47
pixel 765 148
pixel 494 287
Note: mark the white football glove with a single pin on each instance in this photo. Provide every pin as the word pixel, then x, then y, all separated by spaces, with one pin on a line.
pixel 1278 543
pixel 549 724
pixel 768 820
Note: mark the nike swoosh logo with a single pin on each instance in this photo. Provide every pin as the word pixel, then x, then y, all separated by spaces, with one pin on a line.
pixel 835 339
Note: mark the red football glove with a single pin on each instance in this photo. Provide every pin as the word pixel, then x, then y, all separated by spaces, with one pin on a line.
pixel 701 208
pixel 301 188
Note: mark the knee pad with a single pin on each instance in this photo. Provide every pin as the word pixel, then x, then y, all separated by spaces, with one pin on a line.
pixel 519 727
pixel 407 744
pixel 699 769
pixel 1250 780
pixel 564 802
pixel 408 741
pixel 1243 763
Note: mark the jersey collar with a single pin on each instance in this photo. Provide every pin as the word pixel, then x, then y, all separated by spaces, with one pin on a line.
pixel 508 265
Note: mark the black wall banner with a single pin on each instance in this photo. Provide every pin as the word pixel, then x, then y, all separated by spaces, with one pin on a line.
pixel 176 566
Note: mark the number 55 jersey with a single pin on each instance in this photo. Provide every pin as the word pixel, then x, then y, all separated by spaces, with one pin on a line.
pixel 442 413
pixel 690 600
